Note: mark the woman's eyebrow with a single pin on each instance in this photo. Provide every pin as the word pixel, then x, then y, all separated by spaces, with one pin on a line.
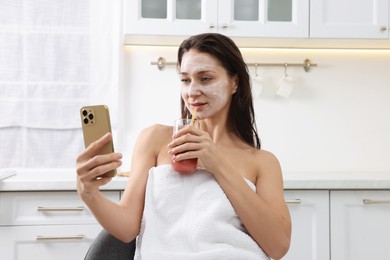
pixel 200 71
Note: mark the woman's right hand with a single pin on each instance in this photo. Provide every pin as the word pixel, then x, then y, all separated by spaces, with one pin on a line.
pixel 90 165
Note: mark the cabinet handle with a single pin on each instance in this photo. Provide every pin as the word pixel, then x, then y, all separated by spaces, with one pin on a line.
pixel 212 26
pixel 75 237
pixel 48 209
pixel 383 28
pixel 225 26
pixel 369 201
pixel 295 201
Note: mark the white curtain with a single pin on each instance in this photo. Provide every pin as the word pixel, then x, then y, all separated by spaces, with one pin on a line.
pixel 55 56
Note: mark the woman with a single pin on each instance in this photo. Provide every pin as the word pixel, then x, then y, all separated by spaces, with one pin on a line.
pixel 233 206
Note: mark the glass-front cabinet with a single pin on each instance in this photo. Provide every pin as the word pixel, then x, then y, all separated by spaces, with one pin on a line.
pixel 264 18
pixel 241 18
pixel 169 17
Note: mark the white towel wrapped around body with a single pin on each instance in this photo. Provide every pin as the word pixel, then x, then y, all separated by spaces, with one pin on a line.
pixel 190 217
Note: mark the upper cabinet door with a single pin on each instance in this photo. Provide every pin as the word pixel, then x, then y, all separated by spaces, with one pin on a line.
pixel 349 19
pixel 264 18
pixel 170 17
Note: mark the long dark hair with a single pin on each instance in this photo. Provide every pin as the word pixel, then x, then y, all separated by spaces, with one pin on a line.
pixel 241 118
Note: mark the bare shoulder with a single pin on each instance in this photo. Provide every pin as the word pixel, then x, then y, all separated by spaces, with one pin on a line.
pixel 267 164
pixel 156 133
pixel 149 142
pixel 147 148
pixel 157 128
pixel 267 158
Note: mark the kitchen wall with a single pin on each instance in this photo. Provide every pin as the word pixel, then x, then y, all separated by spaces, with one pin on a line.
pixel 337 118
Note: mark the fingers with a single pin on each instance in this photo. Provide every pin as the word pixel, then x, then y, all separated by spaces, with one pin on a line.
pixel 91 166
pixel 184 135
pixel 94 147
pixel 99 164
pixel 89 173
pixel 89 161
pixel 187 130
pixel 184 156
pixel 186 145
pixel 104 167
pixel 181 143
pixel 191 142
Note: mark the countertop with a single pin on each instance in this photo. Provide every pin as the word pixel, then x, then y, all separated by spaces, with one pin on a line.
pixel 49 180
pixel 65 180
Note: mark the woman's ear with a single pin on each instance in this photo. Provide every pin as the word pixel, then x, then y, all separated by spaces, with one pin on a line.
pixel 235 86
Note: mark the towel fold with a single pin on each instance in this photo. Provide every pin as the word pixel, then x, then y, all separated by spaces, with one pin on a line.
pixel 190 217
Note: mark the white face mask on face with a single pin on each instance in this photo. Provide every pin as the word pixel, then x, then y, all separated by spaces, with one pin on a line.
pixel 205 84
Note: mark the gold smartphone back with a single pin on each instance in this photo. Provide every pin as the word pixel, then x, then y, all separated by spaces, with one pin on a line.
pixel 95 122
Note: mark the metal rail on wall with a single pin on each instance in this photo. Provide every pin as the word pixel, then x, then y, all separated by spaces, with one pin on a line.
pixel 307 64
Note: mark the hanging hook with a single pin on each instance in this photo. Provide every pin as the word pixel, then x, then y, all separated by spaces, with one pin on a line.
pixel 285 69
pixel 256 70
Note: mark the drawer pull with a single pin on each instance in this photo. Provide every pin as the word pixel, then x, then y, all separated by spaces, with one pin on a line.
pixel 295 201
pixel 76 237
pixel 369 201
pixel 51 209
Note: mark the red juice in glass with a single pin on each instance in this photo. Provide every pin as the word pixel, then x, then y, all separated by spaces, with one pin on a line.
pixel 184 166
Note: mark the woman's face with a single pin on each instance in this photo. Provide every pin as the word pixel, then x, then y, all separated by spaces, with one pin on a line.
pixel 205 84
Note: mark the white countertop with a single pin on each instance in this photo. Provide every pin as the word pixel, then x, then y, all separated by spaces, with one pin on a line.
pixel 65 179
pixel 336 180
pixel 50 180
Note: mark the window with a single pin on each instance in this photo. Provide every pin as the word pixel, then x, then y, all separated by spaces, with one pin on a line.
pixel 55 56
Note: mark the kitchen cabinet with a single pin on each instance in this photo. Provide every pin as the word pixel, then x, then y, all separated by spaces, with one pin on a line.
pixel 339 224
pixel 46 225
pixel 360 225
pixel 46 242
pixel 252 22
pixel 309 210
pixel 237 18
pixel 334 216
pixel 368 19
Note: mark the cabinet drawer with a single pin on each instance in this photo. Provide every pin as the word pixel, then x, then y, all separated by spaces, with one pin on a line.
pixel 37 208
pixel 47 242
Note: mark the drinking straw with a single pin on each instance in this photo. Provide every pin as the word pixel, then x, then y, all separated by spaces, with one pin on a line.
pixel 193 116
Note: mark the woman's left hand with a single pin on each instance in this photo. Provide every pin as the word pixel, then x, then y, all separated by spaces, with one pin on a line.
pixel 191 142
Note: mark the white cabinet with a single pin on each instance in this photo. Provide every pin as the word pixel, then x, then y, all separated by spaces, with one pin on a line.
pixel 339 224
pixel 169 17
pixel 326 224
pixel 46 225
pixel 360 224
pixel 309 211
pixel 240 18
pixel 349 19
pixel 46 242
pixel 270 18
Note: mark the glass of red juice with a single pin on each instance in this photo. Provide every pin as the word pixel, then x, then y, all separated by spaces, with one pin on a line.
pixel 187 166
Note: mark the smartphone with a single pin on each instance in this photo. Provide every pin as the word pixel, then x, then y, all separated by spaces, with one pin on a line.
pixel 95 122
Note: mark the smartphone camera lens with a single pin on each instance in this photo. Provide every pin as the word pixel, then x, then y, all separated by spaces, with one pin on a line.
pixel 90 116
pixel 85 113
pixel 85 120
